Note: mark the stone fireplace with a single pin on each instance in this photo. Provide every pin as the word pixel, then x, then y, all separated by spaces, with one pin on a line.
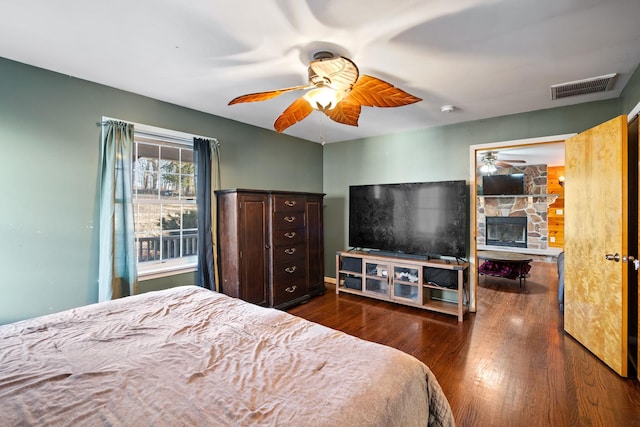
pixel 508 213
pixel 506 231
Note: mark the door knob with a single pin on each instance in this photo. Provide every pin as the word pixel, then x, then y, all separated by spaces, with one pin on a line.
pixel 615 257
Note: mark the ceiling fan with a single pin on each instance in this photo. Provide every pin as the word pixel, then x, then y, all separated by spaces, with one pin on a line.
pixel 337 89
pixel 490 162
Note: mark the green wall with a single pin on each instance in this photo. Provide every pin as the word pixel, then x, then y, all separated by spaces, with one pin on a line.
pixel 49 153
pixel 631 94
pixel 49 149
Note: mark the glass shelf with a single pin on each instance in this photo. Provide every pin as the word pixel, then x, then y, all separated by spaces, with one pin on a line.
pixel 377 286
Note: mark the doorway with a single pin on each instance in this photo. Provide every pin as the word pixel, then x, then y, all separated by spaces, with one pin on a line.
pixel 516 153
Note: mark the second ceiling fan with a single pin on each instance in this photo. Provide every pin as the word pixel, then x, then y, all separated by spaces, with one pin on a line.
pixel 490 162
pixel 337 89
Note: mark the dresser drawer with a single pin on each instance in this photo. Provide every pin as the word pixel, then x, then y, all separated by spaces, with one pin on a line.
pixel 287 271
pixel 289 237
pixel 288 253
pixel 288 203
pixel 288 220
pixel 288 291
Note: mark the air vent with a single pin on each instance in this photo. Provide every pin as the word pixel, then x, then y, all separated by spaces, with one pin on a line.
pixel 583 87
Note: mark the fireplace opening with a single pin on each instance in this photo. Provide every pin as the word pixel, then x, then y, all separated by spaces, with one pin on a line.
pixel 506 231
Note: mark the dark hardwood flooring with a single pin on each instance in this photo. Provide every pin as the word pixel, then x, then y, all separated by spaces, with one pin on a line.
pixel 509 364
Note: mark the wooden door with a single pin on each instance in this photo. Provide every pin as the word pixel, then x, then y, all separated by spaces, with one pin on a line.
pixel 596 224
pixel 635 139
pixel 634 289
pixel 254 248
pixel 315 245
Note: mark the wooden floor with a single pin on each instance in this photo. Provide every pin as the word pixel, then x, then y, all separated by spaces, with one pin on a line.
pixel 509 364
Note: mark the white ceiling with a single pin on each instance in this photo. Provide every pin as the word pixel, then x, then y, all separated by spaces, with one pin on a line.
pixel 487 57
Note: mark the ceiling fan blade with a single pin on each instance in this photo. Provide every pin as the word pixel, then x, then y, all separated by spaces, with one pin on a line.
pixel 373 92
pixel 263 96
pixel 516 161
pixel 345 112
pixel 503 164
pixel 296 112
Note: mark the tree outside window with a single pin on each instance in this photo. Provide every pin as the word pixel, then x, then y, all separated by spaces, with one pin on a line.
pixel 165 211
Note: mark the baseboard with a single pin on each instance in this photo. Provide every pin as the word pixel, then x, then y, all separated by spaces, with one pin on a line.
pixel 330 280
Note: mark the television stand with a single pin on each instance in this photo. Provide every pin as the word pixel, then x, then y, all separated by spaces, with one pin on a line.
pixel 436 285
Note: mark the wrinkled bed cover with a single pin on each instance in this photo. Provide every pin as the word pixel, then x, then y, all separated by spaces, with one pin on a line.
pixel 189 356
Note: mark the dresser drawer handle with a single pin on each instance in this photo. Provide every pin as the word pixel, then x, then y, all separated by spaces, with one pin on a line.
pixel 290 251
pixel 290 203
pixel 289 218
pixel 290 234
pixel 290 269
pixel 291 289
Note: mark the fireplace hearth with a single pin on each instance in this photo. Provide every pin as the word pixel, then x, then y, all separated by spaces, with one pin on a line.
pixel 506 231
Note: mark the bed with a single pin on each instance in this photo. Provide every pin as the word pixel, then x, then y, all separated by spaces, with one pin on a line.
pixel 190 356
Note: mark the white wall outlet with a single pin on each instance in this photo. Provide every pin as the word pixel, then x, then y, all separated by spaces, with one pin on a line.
pixel 559 211
pixel 552 239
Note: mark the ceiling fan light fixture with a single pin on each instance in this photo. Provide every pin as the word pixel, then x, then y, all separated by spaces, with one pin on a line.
pixel 488 168
pixel 323 98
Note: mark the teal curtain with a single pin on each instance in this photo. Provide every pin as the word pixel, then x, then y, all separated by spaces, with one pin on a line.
pixel 207 162
pixel 117 276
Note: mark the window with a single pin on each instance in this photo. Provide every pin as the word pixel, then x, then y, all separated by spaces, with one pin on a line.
pixel 164 203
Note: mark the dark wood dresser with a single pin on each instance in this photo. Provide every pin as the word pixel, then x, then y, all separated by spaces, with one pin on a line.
pixel 270 246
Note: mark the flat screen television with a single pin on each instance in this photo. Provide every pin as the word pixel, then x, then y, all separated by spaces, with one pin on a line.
pixel 427 219
pixel 501 185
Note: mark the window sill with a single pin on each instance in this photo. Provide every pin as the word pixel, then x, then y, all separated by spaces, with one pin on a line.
pixel 165 271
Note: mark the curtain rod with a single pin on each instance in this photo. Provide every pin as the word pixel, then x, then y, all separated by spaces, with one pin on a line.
pixel 166 137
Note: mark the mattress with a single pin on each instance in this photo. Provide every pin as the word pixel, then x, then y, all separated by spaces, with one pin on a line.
pixel 190 356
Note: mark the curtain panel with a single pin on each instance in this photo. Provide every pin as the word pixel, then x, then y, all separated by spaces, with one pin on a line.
pixel 207 161
pixel 117 275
